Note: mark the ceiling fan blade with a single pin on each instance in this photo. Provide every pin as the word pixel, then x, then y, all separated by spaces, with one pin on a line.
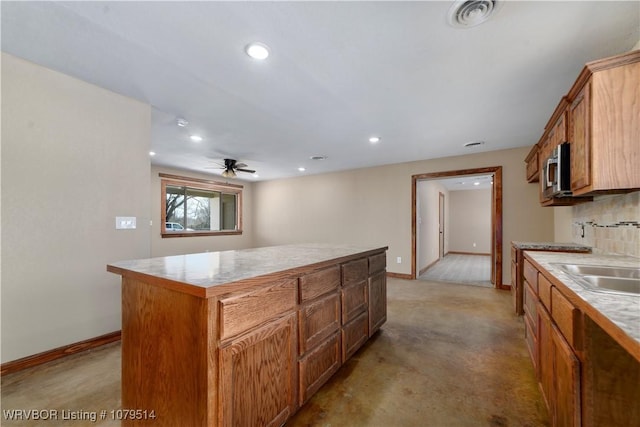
pixel 241 165
pixel 245 170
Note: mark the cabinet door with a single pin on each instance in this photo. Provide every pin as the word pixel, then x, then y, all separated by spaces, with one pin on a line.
pixel 377 301
pixel 580 139
pixel 258 376
pixel 566 411
pixel 319 365
pixel 545 365
pixel 318 320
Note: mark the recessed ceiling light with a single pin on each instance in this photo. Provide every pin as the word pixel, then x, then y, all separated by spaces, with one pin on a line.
pixel 257 50
pixel 374 139
pixel 318 158
pixel 196 138
pixel 255 175
pixel 182 122
pixel 301 169
pixel 152 153
pixel 476 183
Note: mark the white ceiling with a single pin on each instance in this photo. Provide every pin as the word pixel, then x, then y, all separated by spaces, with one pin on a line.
pixel 338 73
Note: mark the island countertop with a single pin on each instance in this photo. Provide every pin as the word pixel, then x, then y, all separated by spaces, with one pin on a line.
pixel 209 273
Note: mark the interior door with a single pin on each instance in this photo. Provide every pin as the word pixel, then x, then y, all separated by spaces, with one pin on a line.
pixel 441 225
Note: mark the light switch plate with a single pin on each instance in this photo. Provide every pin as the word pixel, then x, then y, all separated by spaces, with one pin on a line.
pixel 125 223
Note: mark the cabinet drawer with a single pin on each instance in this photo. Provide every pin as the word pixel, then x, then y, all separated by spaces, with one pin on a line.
pixel 318 366
pixel 530 306
pixel 531 275
pixel 319 283
pixel 355 271
pixel 565 315
pixel 377 263
pixel 354 334
pixel 354 301
pixel 544 291
pixel 241 313
pixel 318 320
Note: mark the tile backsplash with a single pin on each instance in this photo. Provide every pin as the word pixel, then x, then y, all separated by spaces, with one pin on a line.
pixel 610 224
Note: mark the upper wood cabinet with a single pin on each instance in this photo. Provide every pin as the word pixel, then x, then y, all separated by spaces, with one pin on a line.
pixel 600 118
pixel 605 126
pixel 533 165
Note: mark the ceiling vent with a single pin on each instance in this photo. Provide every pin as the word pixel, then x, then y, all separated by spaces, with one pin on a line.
pixel 469 13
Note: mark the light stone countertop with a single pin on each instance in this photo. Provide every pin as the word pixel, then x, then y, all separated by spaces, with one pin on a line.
pixel 209 269
pixel 622 310
pixel 552 246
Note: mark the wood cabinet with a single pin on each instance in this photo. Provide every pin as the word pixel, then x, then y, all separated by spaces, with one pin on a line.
pixel 587 378
pixel 565 400
pixel 580 113
pixel 258 376
pixel 519 269
pixel 533 165
pixel 320 354
pixel 551 325
pixel 377 301
pixel 245 352
pixel 600 118
pixel 558 366
pixel 604 126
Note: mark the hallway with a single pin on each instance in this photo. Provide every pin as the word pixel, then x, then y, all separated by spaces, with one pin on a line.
pixel 459 268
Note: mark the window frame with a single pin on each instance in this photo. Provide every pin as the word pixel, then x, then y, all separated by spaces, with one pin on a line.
pixel 199 184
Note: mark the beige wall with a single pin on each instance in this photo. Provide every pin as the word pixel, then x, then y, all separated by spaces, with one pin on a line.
pixel 373 206
pixel 470 221
pixel 74 156
pixel 427 217
pixel 185 245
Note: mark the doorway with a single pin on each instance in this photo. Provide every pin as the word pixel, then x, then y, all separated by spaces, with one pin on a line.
pixel 496 217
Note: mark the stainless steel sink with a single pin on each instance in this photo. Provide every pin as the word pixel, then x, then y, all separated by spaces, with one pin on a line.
pixel 603 278
pixel 614 283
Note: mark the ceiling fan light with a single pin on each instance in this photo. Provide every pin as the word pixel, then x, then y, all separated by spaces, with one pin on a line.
pixel 229 173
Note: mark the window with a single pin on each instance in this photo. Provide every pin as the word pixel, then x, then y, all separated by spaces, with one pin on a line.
pixel 197 207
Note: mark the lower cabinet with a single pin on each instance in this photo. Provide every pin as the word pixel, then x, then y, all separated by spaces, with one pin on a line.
pixel 550 332
pixel 258 376
pixel 280 344
pixel 377 301
pixel 354 334
pixel 319 365
pixel 565 406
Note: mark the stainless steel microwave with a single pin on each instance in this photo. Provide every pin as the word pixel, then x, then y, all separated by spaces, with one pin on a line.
pixel 556 175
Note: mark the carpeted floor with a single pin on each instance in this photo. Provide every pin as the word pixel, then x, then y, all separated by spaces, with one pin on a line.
pixel 457 268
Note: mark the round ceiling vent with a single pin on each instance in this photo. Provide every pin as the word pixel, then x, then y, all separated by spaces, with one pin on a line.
pixel 469 13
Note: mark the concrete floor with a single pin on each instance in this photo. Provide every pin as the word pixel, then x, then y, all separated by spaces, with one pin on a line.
pixel 449 355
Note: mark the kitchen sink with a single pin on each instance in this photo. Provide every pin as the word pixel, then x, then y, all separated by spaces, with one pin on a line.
pixel 603 278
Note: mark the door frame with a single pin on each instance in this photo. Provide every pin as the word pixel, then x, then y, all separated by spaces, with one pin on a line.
pixel 441 228
pixel 496 216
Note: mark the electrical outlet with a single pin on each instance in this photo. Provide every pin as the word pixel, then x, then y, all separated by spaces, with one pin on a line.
pixel 399 260
pixel 125 223
pixel 474 244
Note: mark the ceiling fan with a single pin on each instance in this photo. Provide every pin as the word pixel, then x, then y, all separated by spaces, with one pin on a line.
pixel 231 166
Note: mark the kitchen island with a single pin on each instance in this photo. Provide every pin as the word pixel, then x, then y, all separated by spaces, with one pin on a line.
pixel 243 337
